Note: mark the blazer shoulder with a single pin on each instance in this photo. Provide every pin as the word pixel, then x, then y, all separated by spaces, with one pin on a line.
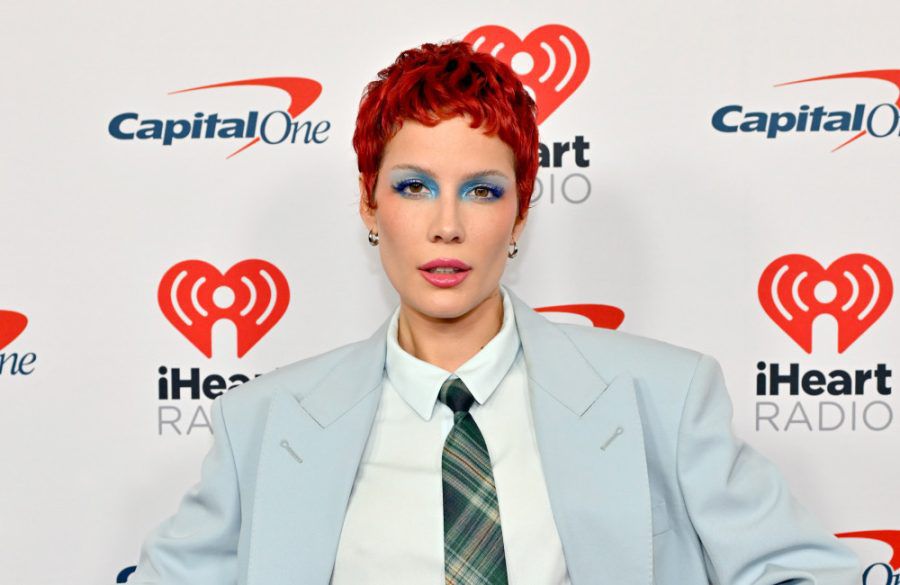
pixel 613 352
pixel 251 399
pixel 662 371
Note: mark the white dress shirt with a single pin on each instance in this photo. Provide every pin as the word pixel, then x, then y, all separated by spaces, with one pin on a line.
pixel 393 530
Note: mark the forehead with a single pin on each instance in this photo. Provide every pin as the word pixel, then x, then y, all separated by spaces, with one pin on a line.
pixel 451 146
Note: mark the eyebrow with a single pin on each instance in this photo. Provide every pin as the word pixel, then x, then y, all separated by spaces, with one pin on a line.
pixel 466 177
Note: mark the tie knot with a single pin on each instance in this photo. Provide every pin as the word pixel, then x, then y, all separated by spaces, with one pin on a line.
pixel 455 395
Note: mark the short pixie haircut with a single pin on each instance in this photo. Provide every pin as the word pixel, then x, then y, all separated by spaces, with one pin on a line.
pixel 436 82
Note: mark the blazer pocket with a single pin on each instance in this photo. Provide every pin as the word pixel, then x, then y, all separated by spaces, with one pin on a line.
pixel 660 515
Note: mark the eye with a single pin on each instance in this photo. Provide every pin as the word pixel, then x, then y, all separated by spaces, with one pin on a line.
pixel 486 192
pixel 411 187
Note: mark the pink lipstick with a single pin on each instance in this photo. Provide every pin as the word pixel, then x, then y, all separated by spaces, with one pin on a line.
pixel 444 272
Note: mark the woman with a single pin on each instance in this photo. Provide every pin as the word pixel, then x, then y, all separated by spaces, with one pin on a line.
pixel 470 439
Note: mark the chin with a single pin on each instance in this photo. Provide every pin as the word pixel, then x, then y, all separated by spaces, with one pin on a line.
pixel 446 303
pixel 443 303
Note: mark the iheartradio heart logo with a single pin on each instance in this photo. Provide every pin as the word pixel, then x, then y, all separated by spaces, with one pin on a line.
pixel 253 294
pixel 855 289
pixel 552 60
pixel 12 324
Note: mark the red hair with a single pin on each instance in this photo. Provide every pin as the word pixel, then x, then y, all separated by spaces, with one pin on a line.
pixel 436 82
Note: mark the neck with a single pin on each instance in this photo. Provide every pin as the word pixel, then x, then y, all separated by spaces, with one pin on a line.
pixel 449 343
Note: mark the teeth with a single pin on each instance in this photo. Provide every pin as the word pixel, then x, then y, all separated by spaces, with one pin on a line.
pixel 443 270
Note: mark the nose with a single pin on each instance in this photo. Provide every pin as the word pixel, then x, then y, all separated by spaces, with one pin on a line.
pixel 446 223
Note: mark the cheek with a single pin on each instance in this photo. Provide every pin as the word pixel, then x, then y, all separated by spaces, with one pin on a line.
pixel 399 223
pixel 399 228
pixel 492 231
pixel 504 215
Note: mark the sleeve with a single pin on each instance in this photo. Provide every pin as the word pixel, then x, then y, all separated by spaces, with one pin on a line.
pixel 753 531
pixel 198 544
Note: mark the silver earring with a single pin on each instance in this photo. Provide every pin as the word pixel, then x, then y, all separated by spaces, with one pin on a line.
pixel 515 250
pixel 373 238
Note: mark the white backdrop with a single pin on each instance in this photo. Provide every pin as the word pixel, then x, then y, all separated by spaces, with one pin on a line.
pixel 679 223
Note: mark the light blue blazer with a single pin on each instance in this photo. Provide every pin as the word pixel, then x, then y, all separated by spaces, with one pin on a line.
pixel 647 484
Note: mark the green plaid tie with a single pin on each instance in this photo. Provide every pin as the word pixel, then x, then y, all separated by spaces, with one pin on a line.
pixel 473 541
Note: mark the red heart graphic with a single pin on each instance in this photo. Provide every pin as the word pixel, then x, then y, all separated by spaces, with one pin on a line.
pixel 863 290
pixel 12 324
pixel 261 296
pixel 560 60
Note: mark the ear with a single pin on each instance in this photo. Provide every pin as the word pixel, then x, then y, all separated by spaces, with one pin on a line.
pixel 365 211
pixel 519 226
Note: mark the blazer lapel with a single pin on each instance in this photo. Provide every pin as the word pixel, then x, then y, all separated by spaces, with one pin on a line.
pixel 590 439
pixel 311 447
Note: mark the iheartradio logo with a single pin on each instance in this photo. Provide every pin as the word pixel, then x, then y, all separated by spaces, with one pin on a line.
pixel 253 294
pixel 855 289
pixel 551 61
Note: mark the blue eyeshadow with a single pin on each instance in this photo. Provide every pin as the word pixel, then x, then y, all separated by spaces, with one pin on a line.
pixel 400 181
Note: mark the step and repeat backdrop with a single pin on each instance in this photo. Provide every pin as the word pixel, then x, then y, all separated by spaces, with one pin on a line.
pixel 721 176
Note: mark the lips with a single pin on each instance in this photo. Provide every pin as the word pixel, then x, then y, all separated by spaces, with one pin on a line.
pixel 445 266
pixel 445 272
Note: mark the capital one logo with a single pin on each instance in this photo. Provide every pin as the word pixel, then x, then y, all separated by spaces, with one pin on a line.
pixel 603 316
pixel 253 294
pixel 274 127
pixel 14 363
pixel 12 324
pixel 795 289
pixel 886 572
pixel 551 61
pixel 879 121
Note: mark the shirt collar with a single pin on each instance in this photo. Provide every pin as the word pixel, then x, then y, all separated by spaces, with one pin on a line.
pixel 418 382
